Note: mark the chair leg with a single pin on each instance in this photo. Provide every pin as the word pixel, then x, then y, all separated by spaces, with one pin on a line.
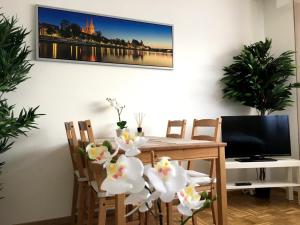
pixel 189 165
pixel 74 200
pixel 91 207
pixel 141 218
pixel 102 212
pixel 214 206
pixel 146 218
pixel 156 212
pixel 169 213
pixel 129 208
pixel 164 212
pixel 82 202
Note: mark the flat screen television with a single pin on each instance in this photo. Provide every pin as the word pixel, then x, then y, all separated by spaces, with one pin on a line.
pixel 256 136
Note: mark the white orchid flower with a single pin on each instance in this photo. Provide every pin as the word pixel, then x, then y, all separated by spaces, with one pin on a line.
pixel 124 176
pixel 142 200
pixel 130 143
pixel 189 200
pixel 167 177
pixel 98 153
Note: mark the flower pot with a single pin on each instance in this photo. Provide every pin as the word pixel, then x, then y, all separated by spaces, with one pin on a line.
pixel 119 132
pixel 140 132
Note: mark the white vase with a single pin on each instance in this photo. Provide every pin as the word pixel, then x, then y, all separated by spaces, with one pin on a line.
pixel 119 132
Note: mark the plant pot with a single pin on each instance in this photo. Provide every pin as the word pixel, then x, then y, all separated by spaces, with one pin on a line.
pixel 140 132
pixel 119 132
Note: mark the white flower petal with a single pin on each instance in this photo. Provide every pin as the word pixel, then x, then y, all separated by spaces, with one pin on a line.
pixel 121 143
pixel 132 152
pixel 167 197
pixel 154 196
pixel 184 210
pixel 145 207
pixel 137 185
pixel 136 198
pixel 115 186
pixel 155 180
pixel 196 204
pixel 139 141
pixel 134 166
pixel 177 182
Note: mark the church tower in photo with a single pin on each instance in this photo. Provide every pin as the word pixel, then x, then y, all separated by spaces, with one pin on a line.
pixel 89 27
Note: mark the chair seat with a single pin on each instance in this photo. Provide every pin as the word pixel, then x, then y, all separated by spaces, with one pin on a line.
pixel 193 173
pixel 82 179
pixel 110 200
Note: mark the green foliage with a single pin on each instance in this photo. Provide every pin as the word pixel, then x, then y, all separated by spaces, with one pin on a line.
pixel 108 145
pixel 14 68
pixel 258 79
pixel 122 124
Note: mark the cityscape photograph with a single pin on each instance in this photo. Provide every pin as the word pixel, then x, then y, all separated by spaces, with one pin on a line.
pixel 76 36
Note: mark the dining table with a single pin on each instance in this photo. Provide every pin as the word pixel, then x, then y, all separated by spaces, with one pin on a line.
pixel 183 150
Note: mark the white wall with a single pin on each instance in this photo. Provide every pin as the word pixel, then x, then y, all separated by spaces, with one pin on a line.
pixel 207 33
pixel 279 25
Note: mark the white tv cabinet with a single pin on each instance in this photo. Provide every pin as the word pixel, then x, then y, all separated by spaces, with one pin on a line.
pixel 287 163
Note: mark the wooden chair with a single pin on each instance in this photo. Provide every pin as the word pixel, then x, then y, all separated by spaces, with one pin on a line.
pixel 177 124
pixel 86 132
pixel 216 137
pixel 96 176
pixel 80 177
pixel 86 137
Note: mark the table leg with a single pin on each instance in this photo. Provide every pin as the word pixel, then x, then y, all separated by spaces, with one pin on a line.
pixel 169 213
pixel 120 210
pixel 298 181
pixel 221 187
pixel 290 191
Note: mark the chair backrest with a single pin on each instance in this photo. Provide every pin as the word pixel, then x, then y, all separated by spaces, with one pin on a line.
pixel 86 132
pixel 96 173
pixel 213 123
pixel 77 159
pixel 181 124
pixel 86 137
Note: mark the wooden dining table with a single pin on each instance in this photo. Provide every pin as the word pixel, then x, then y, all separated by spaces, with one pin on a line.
pixel 183 150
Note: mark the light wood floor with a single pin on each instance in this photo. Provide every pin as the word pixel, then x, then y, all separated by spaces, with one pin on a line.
pixel 247 210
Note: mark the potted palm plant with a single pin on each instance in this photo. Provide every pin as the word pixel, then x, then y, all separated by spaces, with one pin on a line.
pixel 262 81
pixel 14 68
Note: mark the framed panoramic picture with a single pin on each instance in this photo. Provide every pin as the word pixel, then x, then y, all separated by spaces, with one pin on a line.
pixel 71 36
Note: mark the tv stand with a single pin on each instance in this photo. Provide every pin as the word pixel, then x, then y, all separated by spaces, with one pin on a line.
pixel 286 182
pixel 256 158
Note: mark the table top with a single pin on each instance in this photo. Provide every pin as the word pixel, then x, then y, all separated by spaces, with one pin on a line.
pixel 164 143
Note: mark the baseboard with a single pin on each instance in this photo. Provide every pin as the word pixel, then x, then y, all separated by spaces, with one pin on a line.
pixel 57 221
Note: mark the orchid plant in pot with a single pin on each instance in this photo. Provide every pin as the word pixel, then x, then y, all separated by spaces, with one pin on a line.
pixel 119 108
pixel 145 185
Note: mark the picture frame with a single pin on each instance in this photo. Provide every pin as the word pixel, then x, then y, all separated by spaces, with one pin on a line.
pixel 64 35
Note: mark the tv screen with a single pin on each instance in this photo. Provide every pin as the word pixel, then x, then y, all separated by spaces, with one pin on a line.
pixel 248 136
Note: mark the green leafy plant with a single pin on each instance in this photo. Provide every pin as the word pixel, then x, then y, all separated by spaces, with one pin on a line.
pixel 14 68
pixel 260 80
